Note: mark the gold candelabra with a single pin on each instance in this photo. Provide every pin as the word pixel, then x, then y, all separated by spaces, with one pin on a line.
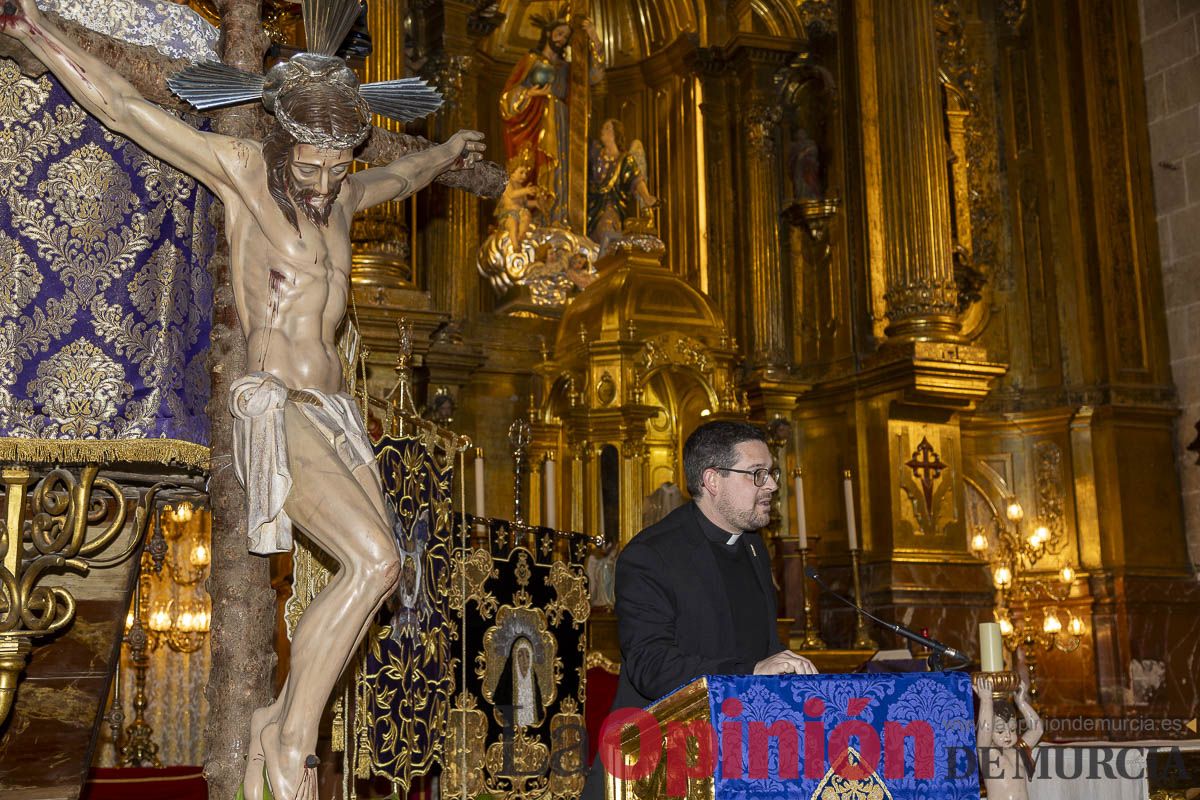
pixel 177 557
pixel 812 628
pixel 1013 554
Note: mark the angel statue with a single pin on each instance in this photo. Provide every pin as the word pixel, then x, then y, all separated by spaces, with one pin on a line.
pixel 617 186
pixel 300 447
pixel 998 729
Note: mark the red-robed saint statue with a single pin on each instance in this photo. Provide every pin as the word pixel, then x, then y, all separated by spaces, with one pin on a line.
pixel 534 109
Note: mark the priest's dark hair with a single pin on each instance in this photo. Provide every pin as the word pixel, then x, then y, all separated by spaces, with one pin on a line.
pixel 714 444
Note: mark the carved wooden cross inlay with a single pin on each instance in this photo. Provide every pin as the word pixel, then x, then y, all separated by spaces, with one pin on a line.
pixel 926 467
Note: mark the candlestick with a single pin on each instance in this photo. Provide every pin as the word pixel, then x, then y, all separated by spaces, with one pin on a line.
pixel 862 635
pixel 479 482
pixel 801 523
pixel 548 478
pixel 991 647
pixel 848 491
pixel 812 631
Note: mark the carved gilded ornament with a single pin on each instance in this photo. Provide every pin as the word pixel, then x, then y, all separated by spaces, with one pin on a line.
pixel 670 349
pixel 762 120
pixel 1050 492
pixel 606 389
pixel 447 72
pixel 74 520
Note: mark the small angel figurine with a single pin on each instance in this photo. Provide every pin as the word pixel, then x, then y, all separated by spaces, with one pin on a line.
pixel 1005 778
pixel 512 210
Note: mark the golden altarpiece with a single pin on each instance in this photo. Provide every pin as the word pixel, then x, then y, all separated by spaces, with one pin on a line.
pixel 914 239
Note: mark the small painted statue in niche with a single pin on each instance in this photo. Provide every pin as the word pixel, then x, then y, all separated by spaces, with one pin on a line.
pixel 1006 777
pixel 617 186
pixel 804 162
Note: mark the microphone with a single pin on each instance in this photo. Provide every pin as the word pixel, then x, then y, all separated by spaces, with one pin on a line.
pixel 939 649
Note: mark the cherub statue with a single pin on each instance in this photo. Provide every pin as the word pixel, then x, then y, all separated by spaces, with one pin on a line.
pixel 512 209
pixel 300 447
pixel 996 728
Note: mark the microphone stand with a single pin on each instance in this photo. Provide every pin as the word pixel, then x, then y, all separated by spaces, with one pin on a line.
pixel 939 650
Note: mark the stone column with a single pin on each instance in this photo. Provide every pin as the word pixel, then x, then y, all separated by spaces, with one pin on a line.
pixel 907 161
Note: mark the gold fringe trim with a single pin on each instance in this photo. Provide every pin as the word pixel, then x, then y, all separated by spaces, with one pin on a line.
pixel 75 451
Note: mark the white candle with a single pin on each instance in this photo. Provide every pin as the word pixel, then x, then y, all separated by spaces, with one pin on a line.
pixel 801 524
pixel 991 647
pixel 479 482
pixel 851 530
pixel 548 475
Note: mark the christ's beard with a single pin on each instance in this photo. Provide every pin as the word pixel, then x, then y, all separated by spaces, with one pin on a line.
pixel 317 214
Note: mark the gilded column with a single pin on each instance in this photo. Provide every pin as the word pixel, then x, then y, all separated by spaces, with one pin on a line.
pixel 453 232
pixel 762 265
pixel 907 161
pixel 718 280
pixel 382 255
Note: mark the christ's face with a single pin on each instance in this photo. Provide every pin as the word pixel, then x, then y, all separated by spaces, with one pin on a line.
pixel 315 177
pixel 559 37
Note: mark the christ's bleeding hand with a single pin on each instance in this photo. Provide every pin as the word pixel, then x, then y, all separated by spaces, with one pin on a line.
pixel 15 16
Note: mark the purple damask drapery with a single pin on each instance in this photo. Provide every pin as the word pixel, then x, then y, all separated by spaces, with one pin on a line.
pixel 105 296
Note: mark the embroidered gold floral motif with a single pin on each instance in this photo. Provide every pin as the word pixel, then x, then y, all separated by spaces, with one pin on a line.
pixel 834 787
pixel 89 192
pixel 467 732
pixel 19 279
pixel 20 95
pixel 522 761
pixel 80 207
pixel 571 596
pixel 79 389
pixel 157 290
pixel 21 146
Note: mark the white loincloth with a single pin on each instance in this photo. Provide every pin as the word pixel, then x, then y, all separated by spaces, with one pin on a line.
pixel 260 455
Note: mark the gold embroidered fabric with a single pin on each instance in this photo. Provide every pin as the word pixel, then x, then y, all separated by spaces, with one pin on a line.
pixel 104 289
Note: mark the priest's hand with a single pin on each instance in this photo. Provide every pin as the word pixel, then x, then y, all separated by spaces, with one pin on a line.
pixel 785 662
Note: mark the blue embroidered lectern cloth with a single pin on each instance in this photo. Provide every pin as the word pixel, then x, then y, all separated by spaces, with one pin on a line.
pixel 905 737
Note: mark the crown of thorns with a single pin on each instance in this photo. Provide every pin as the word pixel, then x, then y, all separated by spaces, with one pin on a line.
pixel 326 22
pixel 548 22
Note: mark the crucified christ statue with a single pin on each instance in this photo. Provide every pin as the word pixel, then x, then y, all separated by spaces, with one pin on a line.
pixel 300 445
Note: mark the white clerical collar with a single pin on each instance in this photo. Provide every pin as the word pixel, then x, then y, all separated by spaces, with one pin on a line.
pixel 733 538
